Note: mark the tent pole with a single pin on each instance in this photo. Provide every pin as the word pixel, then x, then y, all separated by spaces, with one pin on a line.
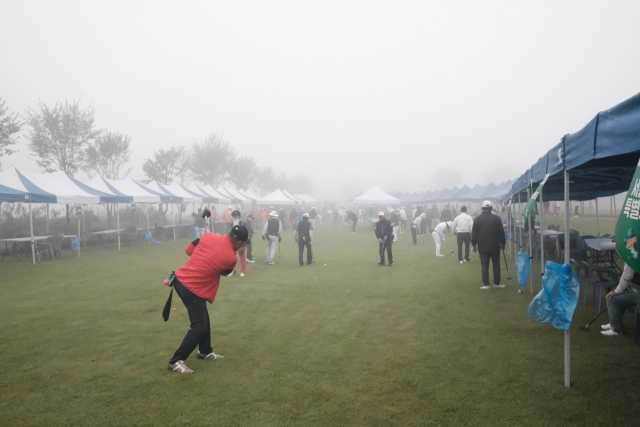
pixel 519 228
pixel 148 226
pixel 118 223
pixel 33 242
pixel 567 258
pixel 597 220
pixel 614 204
pixel 541 235
pixel 47 218
pixel 84 227
pixel 79 236
pixel 531 228
pixel 173 222
pixel 611 205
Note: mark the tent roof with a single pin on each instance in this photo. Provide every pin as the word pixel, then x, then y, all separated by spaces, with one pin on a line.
pixel 300 201
pixel 433 197
pixel 235 195
pixel 56 187
pixel 101 185
pixel 132 188
pixel 276 198
pixel 159 188
pixel 459 196
pixel 376 195
pixel 187 195
pixel 307 199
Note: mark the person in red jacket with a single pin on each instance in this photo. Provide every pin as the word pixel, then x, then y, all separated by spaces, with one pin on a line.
pixel 196 282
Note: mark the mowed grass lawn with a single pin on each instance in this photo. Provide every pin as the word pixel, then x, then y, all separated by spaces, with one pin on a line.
pixel 83 343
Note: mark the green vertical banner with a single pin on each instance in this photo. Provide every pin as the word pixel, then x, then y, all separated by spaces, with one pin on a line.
pixel 531 205
pixel 628 224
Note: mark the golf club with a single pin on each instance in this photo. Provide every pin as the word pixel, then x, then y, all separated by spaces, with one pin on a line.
pixel 449 247
pixel 586 328
pixel 505 265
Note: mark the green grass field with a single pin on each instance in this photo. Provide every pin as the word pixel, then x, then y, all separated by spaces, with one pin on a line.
pixel 83 343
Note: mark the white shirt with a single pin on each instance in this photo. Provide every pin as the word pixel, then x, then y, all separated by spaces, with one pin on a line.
pixel 440 229
pixel 360 212
pixel 340 212
pixel 413 212
pixel 627 276
pixel 463 223
pixel 418 221
pixel 403 215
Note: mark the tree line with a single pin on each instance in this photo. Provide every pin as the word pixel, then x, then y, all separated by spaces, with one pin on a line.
pixel 64 138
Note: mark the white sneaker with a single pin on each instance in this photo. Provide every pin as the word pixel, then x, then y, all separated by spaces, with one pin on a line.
pixel 606 327
pixel 231 274
pixel 241 274
pixel 485 287
pixel 211 355
pixel 498 286
pixel 610 333
pixel 251 261
pixel 439 255
pixel 461 262
pixel 179 366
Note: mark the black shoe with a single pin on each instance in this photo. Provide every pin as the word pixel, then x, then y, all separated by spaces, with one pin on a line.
pixel 390 264
pixel 468 260
pixel 308 263
pixel 381 264
pixel 301 265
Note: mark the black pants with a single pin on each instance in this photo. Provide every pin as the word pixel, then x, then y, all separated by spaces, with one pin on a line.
pixel 200 333
pixel 249 255
pixel 302 242
pixel 413 234
pixel 484 262
pixel 335 219
pixel 353 226
pixel 423 227
pixel 466 239
pixel 387 247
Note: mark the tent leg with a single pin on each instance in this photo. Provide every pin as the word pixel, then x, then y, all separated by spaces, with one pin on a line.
pixel 173 222
pixel 541 235
pixel 597 219
pixel 118 223
pixel 84 227
pixel 148 226
pixel 47 218
pixel 33 242
pixel 79 236
pixel 567 258
pixel 531 228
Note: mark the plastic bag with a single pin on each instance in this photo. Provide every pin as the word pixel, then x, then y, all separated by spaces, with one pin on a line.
pixel 149 238
pixel 75 245
pixel 193 232
pixel 523 264
pixel 506 236
pixel 557 301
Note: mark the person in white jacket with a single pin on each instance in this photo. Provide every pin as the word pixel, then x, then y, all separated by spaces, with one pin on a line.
pixel 415 227
pixel 439 233
pixel 403 219
pixel 462 226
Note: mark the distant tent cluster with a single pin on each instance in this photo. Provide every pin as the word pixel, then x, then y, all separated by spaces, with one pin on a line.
pixel 479 193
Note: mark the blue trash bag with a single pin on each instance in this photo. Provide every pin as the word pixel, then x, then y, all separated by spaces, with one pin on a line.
pixel 557 301
pixel 523 264
pixel 193 232
pixel 149 238
pixel 75 245
pixel 506 236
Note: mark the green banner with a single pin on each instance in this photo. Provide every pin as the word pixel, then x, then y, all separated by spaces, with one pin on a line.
pixel 628 225
pixel 531 205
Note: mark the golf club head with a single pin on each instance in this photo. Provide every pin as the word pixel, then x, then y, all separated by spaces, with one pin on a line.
pixel 509 277
pixel 584 328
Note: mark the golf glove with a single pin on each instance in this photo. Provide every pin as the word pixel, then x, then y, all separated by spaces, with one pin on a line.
pixel 380 240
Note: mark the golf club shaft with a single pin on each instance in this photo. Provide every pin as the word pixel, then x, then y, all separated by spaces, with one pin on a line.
pixel 505 262
pixel 594 319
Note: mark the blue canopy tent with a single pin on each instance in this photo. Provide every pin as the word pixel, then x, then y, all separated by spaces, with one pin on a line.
pixel 433 197
pixel 446 197
pixel 459 196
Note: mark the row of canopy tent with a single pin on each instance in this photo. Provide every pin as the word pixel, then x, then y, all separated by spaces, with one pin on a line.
pixel 599 160
pixel 479 193
pixel 60 188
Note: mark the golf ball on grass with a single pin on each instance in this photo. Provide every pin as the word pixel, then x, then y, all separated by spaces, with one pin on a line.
pixel 174 309
pixel 166 282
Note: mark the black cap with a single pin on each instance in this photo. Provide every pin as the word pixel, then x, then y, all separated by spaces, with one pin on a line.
pixel 463 208
pixel 240 232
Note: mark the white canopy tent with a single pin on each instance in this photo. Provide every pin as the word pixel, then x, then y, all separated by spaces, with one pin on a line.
pixel 57 187
pixel 276 198
pixel 237 195
pixel 222 198
pixel 300 201
pixel 212 196
pixel 375 195
pixel 307 199
pixel 174 198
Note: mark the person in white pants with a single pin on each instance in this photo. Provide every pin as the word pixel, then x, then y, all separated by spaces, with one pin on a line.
pixel 271 233
pixel 438 235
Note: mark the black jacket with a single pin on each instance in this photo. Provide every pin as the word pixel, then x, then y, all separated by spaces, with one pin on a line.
pixel 384 229
pixel 445 215
pixel 353 217
pixel 303 228
pixel 488 232
pixel 395 219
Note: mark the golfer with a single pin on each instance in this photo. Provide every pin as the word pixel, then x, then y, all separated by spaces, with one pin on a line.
pixel 395 224
pixel 415 227
pixel 271 233
pixel 384 233
pixel 196 282
pixel 462 226
pixel 200 223
pixel 354 220
pixel 304 234
pixel 488 234
pixel 439 233
pixel 235 215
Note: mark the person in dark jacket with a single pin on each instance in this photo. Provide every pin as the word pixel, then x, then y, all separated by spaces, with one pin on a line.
pixel 445 215
pixel 304 234
pixel 249 225
pixel 488 235
pixel 384 233
pixel 354 220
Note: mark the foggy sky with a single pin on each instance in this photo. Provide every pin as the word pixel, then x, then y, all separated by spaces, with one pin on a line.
pixel 408 95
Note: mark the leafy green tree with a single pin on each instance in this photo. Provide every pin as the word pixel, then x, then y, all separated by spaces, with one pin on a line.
pixel 212 160
pixel 163 166
pixel 265 180
pixel 108 155
pixel 9 127
pixel 243 172
pixel 59 136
